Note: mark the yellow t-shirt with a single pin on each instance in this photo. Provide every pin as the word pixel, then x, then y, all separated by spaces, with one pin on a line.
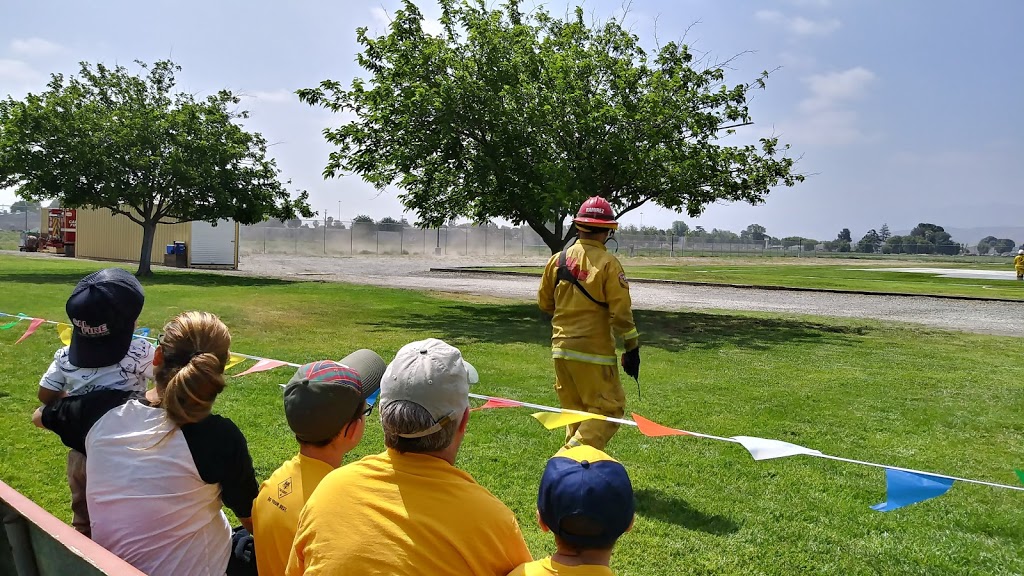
pixel 275 512
pixel 405 514
pixel 548 567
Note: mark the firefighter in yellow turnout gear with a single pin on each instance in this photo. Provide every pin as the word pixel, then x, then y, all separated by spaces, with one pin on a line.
pixel 589 304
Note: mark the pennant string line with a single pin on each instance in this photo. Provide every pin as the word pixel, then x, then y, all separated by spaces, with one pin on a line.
pixel 608 418
pixel 623 421
pixel 139 336
pixel 912 471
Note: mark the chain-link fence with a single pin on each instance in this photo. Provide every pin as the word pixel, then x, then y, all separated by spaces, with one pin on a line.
pixel 17 219
pixel 348 238
pixel 314 237
pixel 14 221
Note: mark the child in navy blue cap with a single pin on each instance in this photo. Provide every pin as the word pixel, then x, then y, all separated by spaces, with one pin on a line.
pixel 104 355
pixel 586 501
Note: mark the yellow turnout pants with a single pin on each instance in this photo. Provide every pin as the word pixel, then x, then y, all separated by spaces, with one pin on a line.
pixel 590 388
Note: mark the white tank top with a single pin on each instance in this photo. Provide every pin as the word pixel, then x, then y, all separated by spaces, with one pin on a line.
pixel 147 502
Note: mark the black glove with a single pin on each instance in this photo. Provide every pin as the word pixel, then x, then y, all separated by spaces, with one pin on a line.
pixel 631 363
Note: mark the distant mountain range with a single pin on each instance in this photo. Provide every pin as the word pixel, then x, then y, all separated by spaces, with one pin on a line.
pixel 971 236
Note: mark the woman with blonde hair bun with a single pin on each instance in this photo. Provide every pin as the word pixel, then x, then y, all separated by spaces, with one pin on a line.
pixel 161 467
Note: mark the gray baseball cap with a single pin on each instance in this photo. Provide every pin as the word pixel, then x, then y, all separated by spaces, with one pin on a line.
pixel 432 374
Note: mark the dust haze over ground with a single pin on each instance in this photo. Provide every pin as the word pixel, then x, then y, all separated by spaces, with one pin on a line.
pixel 414 273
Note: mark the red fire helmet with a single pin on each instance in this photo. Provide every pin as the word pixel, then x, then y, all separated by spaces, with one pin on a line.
pixel 596 212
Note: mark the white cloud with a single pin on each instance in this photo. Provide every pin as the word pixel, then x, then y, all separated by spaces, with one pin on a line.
pixel 798 25
pixel 432 27
pixel 34 47
pixel 833 89
pixel 18 74
pixel 273 96
pixel 826 116
pixel 382 20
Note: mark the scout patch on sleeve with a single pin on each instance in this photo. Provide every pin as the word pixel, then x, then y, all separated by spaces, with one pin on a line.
pixel 622 280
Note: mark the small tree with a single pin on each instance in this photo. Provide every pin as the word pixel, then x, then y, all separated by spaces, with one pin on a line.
pixel 389 224
pixel 680 228
pixel 753 233
pixel 985 244
pixel 129 143
pixel 883 233
pixel 844 236
pixel 363 219
pixel 697 232
pixel 1004 245
pixel 23 205
pixel 870 243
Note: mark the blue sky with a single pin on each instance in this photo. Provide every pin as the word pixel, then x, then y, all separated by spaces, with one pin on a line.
pixel 902 111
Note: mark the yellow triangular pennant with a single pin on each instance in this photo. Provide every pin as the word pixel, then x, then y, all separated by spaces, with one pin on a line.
pixel 233 361
pixel 553 420
pixel 64 331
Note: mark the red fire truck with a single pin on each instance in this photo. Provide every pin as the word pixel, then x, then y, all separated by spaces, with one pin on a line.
pixel 61 227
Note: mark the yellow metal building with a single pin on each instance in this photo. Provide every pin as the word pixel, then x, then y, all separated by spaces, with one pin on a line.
pixel 103 235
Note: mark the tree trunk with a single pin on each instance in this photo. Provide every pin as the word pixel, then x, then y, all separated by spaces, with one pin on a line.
pixel 148 235
pixel 553 241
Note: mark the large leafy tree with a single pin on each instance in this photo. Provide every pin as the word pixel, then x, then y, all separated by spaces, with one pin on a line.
pixel 109 138
pixel 522 116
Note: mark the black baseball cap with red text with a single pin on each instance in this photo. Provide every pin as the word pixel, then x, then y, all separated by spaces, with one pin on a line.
pixel 103 310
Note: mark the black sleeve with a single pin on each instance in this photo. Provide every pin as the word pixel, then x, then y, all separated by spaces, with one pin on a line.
pixel 72 417
pixel 222 457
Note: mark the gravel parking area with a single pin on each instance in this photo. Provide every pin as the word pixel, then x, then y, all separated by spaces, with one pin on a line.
pixel 1003 318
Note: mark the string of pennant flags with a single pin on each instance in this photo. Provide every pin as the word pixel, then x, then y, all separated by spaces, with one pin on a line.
pixel 904 486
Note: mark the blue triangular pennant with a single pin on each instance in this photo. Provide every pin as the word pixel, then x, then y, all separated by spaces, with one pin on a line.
pixel 906 488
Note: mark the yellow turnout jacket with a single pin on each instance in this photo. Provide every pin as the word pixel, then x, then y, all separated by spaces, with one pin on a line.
pixel 581 329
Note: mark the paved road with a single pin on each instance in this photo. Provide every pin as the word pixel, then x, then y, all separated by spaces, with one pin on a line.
pixel 1006 318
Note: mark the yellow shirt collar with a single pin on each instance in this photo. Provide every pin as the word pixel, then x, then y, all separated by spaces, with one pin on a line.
pixel 593 243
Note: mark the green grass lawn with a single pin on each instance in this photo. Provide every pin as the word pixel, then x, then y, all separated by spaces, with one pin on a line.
pixel 9 240
pixel 939 401
pixel 844 276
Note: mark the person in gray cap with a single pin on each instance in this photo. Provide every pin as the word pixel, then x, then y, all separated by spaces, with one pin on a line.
pixel 326 404
pixel 409 510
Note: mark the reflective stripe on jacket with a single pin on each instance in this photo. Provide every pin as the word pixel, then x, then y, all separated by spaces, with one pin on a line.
pixel 581 329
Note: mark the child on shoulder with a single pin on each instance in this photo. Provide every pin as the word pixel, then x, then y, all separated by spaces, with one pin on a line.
pixel 104 355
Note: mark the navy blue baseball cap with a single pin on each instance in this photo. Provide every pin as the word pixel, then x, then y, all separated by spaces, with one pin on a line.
pixel 586 498
pixel 103 310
